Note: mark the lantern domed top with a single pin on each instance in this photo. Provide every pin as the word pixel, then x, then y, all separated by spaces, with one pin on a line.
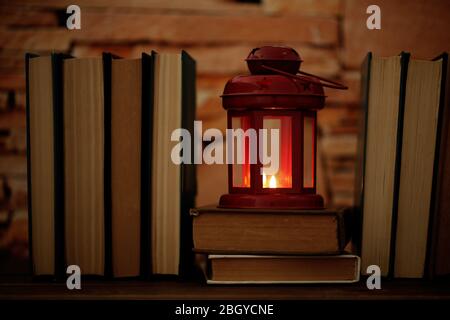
pixel 274 83
pixel 282 58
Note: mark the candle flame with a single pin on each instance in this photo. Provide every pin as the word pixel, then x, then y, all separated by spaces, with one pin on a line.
pixel 269 183
pixel 273 182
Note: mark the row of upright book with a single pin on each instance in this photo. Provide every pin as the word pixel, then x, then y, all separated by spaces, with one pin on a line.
pixel 403 173
pixel 103 191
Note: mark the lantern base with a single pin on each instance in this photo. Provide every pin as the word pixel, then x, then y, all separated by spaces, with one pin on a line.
pixel 272 201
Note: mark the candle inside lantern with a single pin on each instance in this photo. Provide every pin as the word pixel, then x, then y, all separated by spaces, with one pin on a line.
pixel 283 124
pixel 272 183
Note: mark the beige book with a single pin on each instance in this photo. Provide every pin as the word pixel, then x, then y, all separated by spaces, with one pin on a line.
pixel 165 174
pixel 418 150
pixel 380 161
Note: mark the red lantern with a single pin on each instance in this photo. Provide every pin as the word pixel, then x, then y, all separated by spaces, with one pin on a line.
pixel 274 96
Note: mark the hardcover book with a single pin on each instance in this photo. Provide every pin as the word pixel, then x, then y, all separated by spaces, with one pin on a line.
pixel 84 164
pixel 125 166
pixel 171 188
pixel 419 143
pixel 438 259
pixel 271 231
pixel 44 111
pixel 258 269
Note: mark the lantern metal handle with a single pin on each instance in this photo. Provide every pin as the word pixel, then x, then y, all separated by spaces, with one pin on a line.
pixel 322 81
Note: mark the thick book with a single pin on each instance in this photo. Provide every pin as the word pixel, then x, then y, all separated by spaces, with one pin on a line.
pixel 84 162
pixel 45 163
pixel 419 142
pixel 376 191
pixel 271 231
pixel 171 187
pixel 260 269
pixel 123 80
pixel 438 258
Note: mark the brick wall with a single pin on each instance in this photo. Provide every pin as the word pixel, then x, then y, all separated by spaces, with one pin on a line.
pixel 330 35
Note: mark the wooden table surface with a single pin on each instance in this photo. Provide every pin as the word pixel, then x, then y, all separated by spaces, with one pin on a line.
pixel 18 289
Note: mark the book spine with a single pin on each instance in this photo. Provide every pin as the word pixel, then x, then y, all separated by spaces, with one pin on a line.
pixel 58 127
pixel 148 70
pixel 438 222
pixel 28 56
pixel 188 175
pixel 107 67
pixel 398 159
pixel 361 156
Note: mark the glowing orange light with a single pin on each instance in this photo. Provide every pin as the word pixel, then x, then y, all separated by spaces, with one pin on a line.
pixel 269 183
pixel 273 182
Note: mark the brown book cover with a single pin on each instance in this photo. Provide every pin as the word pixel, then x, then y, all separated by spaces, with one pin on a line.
pixel 125 166
pixel 84 161
pixel 271 231
pixel 438 258
pixel 45 179
pixel 259 269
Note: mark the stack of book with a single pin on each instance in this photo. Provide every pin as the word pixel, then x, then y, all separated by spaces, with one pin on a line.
pixel 103 192
pixel 274 246
pixel 404 166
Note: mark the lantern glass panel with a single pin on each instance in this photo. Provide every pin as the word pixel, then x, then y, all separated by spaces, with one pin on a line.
pixel 283 178
pixel 308 151
pixel 241 153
